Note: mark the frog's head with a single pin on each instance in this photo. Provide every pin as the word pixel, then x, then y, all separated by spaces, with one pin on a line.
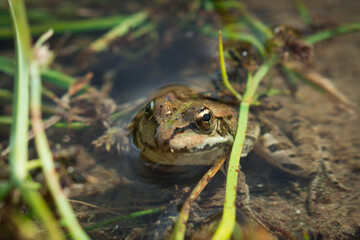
pixel 184 131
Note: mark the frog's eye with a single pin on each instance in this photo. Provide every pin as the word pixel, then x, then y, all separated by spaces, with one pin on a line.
pixel 205 119
pixel 149 109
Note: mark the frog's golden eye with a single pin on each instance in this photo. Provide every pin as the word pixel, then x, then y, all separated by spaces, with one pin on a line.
pixel 205 119
pixel 149 108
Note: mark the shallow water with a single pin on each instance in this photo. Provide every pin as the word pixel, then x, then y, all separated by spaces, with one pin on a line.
pixel 121 183
pixel 276 197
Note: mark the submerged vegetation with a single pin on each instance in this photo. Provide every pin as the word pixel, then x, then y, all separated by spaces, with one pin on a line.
pixel 280 48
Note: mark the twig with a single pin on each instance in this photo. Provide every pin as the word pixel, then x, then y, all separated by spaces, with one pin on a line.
pixel 180 225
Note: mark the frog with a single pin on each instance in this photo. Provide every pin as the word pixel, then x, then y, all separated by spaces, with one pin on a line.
pixel 181 126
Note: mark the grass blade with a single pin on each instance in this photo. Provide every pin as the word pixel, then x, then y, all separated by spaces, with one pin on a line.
pixel 326 34
pixel 41 210
pixel 223 70
pixel 227 223
pixel 5 189
pixel 57 78
pixel 76 26
pixel 242 37
pixel 6 120
pixel 46 158
pixel 122 218
pixel 19 127
pixel 257 26
pixel 119 30
pixel 304 14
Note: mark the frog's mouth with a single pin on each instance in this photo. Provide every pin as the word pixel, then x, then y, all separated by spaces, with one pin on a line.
pixel 181 157
pixel 200 143
pixel 204 153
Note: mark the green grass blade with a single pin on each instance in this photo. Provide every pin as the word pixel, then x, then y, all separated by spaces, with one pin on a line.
pixel 45 155
pixel 223 70
pixel 260 29
pixel 326 34
pixel 6 95
pixel 122 218
pixel 304 14
pixel 57 78
pixel 5 189
pixel 19 127
pixel 119 30
pixel 39 207
pixel 7 120
pixel 227 223
pixel 243 37
pixel 7 66
pixel 252 85
pixel 75 26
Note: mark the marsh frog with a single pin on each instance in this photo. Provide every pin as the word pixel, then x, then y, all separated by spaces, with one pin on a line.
pixel 180 126
pixel 183 127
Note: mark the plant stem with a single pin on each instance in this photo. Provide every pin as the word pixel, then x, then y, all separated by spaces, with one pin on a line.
pixel 57 78
pixel 6 120
pixel 323 35
pixel 118 31
pixel 76 26
pixel 223 70
pixel 227 222
pixel 5 188
pixel 257 26
pixel 19 127
pixel 303 12
pixel 41 210
pixel 121 218
pixel 233 35
pixel 46 159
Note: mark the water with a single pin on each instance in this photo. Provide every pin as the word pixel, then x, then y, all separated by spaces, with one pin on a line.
pixel 122 182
